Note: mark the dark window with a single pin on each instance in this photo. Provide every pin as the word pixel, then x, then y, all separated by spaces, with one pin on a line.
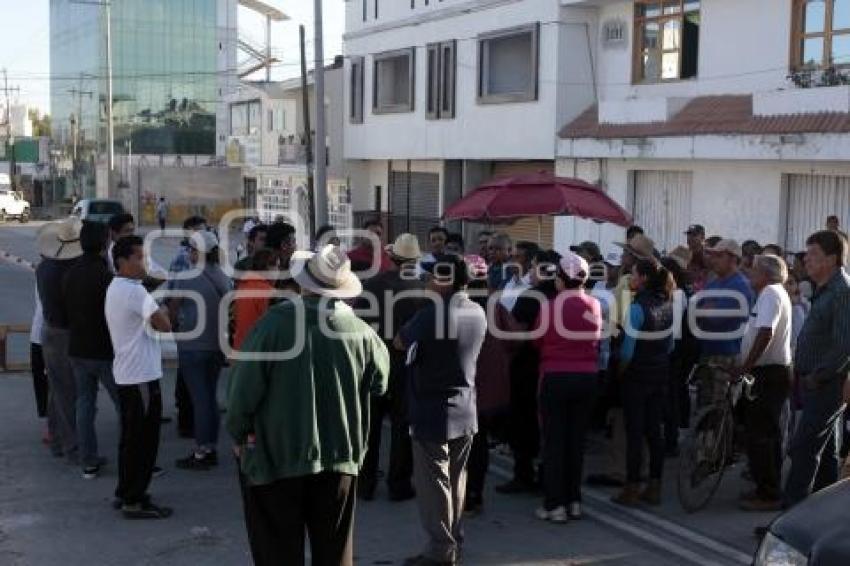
pixel 441 80
pixel 355 113
pixel 507 65
pixel 392 81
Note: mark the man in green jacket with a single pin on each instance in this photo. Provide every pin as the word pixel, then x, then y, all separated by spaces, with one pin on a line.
pixel 299 414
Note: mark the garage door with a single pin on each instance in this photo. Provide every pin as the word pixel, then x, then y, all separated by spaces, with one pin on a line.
pixel 422 192
pixel 662 206
pixel 811 198
pixel 540 231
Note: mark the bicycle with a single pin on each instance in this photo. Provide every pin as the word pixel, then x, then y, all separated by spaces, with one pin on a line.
pixel 708 448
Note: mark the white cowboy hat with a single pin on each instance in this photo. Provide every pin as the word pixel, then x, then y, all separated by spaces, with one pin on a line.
pixel 326 272
pixel 406 246
pixel 60 240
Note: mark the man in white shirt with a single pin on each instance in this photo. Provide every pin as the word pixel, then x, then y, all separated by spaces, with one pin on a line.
pixel 766 352
pixel 520 277
pixel 137 368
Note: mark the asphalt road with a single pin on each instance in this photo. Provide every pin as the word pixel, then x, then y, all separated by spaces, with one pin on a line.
pixel 49 515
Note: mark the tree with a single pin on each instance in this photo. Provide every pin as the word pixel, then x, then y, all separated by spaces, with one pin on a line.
pixel 40 124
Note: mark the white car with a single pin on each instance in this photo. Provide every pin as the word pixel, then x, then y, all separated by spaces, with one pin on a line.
pixel 97 209
pixel 12 203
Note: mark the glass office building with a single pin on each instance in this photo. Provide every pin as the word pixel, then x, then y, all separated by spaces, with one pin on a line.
pixel 164 70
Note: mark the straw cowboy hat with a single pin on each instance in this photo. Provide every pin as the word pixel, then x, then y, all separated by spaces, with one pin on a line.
pixel 681 255
pixel 639 246
pixel 406 246
pixel 326 272
pixel 60 240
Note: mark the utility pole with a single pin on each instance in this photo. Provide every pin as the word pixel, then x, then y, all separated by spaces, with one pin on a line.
pixel 321 136
pixel 308 139
pixel 77 126
pixel 9 138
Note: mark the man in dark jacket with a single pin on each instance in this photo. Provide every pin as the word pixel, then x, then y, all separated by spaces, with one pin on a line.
pixel 394 298
pixel 59 247
pixel 442 342
pixel 90 348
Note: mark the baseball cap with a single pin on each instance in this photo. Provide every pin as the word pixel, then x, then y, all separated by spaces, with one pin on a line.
pixel 613 256
pixel 696 229
pixel 726 246
pixel 203 241
pixel 574 266
pixel 591 249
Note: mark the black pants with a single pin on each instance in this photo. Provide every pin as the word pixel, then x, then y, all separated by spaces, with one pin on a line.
pixel 566 403
pixel 524 427
pixel 39 379
pixel 762 418
pixel 677 392
pixel 141 414
pixel 479 460
pixel 183 402
pixel 400 473
pixel 643 411
pixel 281 512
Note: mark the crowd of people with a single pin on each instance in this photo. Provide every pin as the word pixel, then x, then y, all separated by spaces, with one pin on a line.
pixel 461 349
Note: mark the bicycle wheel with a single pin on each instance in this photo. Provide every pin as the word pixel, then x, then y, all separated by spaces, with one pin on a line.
pixel 702 459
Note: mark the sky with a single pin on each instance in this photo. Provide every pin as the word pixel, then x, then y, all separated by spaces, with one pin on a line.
pixel 25 41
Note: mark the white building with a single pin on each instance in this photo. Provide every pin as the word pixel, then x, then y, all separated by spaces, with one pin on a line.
pixel 442 96
pixel 697 120
pixel 265 136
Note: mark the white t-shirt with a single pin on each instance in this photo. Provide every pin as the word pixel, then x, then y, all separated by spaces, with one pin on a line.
pixel 772 310
pixel 138 356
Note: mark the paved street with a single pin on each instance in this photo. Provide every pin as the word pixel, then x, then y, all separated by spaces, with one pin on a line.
pixel 49 515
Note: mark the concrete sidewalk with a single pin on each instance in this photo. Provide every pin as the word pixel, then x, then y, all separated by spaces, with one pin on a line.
pixel 50 516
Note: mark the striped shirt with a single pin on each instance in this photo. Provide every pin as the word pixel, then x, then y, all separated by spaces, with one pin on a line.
pixel 824 342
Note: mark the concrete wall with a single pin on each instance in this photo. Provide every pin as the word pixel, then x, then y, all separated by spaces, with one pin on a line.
pixel 208 191
pixel 744 47
pixel 739 200
pixel 523 130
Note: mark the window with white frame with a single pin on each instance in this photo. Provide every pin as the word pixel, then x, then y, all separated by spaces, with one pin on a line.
pixel 508 65
pixel 442 67
pixel 392 81
pixel 355 110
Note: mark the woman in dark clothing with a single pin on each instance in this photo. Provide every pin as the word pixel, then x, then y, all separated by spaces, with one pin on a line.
pixel 645 364
pixel 685 354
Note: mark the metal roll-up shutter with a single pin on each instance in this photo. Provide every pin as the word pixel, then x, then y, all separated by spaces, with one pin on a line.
pixel 662 206
pixel 811 199
pixel 422 191
pixel 540 231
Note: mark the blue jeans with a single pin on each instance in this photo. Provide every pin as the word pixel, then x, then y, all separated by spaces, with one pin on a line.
pixel 200 372
pixel 87 374
pixel 814 448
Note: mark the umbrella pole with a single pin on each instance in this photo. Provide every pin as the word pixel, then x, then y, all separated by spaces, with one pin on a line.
pixel 540 231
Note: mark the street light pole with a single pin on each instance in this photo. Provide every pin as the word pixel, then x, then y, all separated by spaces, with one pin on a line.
pixel 321 181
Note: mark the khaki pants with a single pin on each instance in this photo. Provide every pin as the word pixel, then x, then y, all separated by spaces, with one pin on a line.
pixel 439 474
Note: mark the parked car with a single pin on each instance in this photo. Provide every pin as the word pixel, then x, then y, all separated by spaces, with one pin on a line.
pixel 813 533
pixel 12 203
pixel 97 210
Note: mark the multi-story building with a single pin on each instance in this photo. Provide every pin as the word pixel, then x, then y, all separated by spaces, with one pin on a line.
pixel 441 96
pixel 171 64
pixel 266 136
pixel 734 114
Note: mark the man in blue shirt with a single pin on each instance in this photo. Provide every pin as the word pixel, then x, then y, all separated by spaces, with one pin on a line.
pixel 735 294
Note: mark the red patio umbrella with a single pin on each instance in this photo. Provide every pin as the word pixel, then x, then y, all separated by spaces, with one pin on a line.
pixel 537 194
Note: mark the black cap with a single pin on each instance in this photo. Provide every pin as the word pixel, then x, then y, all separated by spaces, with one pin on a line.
pixel 589 249
pixel 448 266
pixel 696 229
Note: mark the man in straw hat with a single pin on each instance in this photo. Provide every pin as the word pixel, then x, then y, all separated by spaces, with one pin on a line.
pixel 300 416
pixel 389 300
pixel 442 342
pixel 59 246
